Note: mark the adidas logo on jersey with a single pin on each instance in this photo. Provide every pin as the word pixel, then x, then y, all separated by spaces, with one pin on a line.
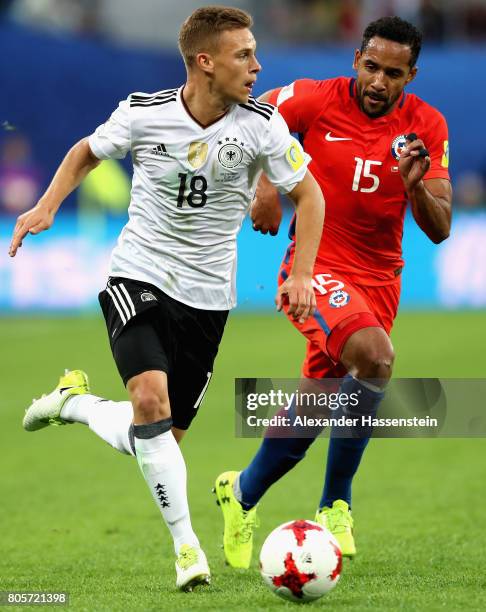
pixel 161 150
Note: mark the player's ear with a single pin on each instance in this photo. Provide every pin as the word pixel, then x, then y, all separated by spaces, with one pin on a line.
pixel 357 57
pixel 412 74
pixel 204 62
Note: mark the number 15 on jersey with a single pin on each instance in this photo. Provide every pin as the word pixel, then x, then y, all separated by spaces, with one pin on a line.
pixel 363 171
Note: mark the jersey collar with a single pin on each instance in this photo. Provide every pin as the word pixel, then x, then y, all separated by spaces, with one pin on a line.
pixel 191 116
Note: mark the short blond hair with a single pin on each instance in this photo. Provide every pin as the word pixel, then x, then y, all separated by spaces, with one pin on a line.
pixel 200 31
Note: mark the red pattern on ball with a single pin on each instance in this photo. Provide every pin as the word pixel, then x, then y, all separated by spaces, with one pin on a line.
pixel 336 572
pixel 299 528
pixel 292 578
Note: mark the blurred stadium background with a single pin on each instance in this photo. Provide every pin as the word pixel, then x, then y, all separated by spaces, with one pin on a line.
pixel 65 64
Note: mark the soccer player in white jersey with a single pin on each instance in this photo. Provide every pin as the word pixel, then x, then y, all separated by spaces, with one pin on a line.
pixel 197 153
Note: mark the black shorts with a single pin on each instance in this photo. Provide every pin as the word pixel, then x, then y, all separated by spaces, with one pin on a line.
pixel 148 330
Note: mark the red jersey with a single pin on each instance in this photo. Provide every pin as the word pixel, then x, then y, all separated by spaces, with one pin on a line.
pixel 355 161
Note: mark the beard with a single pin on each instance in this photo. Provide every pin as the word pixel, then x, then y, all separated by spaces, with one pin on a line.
pixel 385 107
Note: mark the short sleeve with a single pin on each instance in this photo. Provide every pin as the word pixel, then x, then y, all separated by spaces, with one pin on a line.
pixel 111 140
pixel 437 142
pixel 282 158
pixel 298 103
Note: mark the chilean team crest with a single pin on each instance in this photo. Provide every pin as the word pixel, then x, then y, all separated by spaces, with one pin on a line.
pixel 398 145
pixel 338 299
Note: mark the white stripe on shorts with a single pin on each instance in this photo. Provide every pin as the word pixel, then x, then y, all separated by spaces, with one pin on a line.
pixel 201 396
pixel 129 299
pixel 117 306
pixel 121 301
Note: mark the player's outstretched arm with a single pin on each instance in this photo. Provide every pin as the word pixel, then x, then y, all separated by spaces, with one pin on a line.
pixel 75 166
pixel 266 210
pixel 309 202
pixel 431 199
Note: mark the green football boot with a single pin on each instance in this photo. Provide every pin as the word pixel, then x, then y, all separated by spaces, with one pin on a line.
pixel 238 523
pixel 47 410
pixel 339 522
pixel 192 568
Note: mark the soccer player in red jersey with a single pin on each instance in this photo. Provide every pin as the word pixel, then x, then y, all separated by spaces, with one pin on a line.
pixel 373 147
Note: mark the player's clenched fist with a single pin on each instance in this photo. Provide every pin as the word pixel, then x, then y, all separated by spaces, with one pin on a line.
pixel 33 221
pixel 299 294
pixel 414 162
pixel 265 211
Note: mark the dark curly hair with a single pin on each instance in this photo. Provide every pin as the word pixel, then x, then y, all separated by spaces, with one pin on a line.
pixel 398 30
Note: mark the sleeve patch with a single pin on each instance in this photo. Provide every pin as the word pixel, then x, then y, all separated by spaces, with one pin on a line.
pixel 445 156
pixel 294 157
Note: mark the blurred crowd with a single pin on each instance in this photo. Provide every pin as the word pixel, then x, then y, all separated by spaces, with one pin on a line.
pixel 470 192
pixel 20 176
pixel 153 22
pixel 22 181
pixel 318 21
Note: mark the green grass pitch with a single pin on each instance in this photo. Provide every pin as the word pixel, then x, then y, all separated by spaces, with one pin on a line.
pixel 76 516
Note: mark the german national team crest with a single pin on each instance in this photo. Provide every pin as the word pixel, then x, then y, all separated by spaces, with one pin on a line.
pixel 198 152
pixel 148 296
pixel 398 145
pixel 338 299
pixel 231 153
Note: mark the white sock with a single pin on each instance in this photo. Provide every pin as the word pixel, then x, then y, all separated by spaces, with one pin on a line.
pixel 237 488
pixel 164 470
pixel 109 420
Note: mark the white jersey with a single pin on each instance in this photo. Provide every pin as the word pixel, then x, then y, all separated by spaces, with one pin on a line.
pixel 191 189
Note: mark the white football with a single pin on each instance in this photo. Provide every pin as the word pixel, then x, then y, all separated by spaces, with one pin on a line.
pixel 300 561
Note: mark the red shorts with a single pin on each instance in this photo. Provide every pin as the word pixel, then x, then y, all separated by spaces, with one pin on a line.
pixel 343 307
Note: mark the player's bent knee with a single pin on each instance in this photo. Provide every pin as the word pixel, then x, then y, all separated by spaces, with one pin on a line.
pixel 149 397
pixel 369 354
pixel 376 364
pixel 150 409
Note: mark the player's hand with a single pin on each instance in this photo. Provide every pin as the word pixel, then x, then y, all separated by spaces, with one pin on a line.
pixel 33 221
pixel 414 162
pixel 299 294
pixel 265 211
